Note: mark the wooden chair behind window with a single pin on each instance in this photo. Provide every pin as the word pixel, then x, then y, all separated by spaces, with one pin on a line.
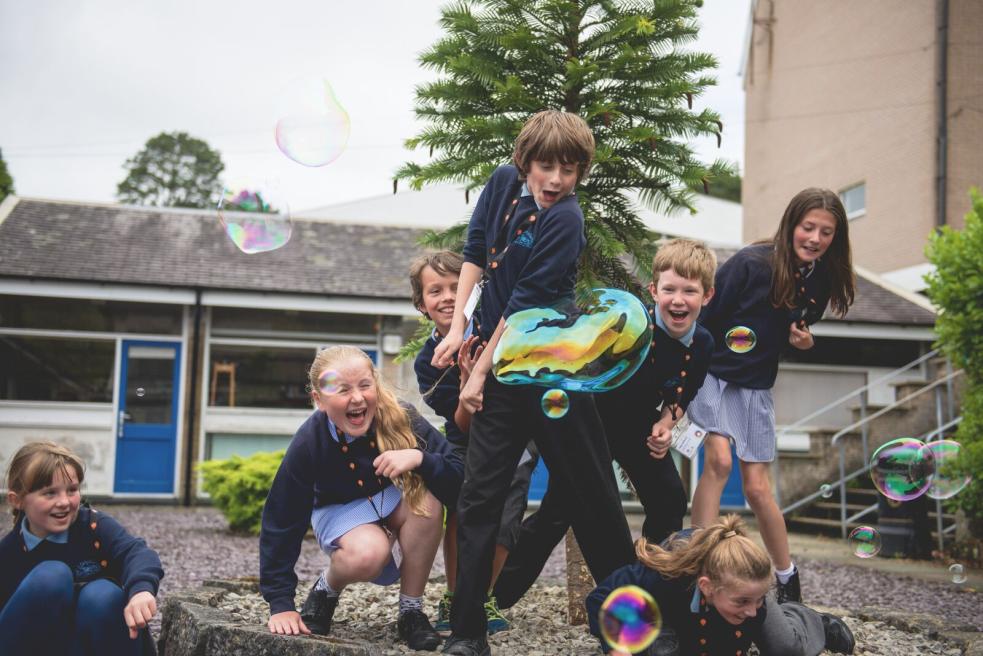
pixel 228 368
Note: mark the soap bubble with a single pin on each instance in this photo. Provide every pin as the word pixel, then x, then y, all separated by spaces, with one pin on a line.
pixel 740 339
pixel 312 128
pixel 865 542
pixel 902 469
pixel 327 382
pixel 593 349
pixel 958 573
pixel 826 490
pixel 140 392
pixel 630 619
pixel 555 403
pixel 951 474
pixel 255 217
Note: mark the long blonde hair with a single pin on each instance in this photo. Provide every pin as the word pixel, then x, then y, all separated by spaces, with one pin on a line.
pixel 718 552
pixel 391 421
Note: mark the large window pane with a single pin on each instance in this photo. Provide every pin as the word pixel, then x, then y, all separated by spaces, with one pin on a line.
pixel 81 314
pixel 262 377
pixel 236 321
pixel 44 369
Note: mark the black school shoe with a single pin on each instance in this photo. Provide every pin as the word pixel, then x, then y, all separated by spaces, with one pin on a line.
pixel 789 591
pixel 467 646
pixel 317 611
pixel 839 637
pixel 416 630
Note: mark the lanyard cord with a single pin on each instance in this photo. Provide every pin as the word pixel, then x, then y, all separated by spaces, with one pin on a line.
pixel 494 257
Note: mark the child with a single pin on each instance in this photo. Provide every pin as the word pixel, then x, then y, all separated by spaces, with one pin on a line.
pixel 524 239
pixel 767 295
pixel 338 476
pixel 433 278
pixel 72 578
pixel 637 429
pixel 710 585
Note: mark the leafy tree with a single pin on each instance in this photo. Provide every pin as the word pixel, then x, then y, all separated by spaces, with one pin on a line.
pixel 726 187
pixel 956 287
pixel 617 63
pixel 173 170
pixel 6 181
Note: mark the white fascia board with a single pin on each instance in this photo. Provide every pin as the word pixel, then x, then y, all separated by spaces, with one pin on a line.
pixel 872 331
pixel 308 303
pixel 97 291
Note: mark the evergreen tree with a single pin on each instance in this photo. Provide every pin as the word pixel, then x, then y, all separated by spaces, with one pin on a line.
pixel 619 64
pixel 173 170
pixel 6 181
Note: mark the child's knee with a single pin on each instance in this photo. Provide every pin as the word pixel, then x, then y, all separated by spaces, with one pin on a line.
pixel 100 603
pixel 364 563
pixel 51 580
pixel 757 491
pixel 717 461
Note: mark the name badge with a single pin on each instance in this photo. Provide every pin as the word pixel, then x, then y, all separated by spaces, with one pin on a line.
pixel 687 437
pixel 472 301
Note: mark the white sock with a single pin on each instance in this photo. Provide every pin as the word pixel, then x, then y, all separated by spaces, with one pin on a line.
pixel 407 602
pixel 322 584
pixel 785 574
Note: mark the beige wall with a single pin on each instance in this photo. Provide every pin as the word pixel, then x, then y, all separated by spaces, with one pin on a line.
pixel 848 97
pixel 965 106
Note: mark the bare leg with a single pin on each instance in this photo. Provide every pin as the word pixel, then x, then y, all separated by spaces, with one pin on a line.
pixel 450 551
pixel 501 555
pixel 771 522
pixel 418 538
pixel 716 471
pixel 361 556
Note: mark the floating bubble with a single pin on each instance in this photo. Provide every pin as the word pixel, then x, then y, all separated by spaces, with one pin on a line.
pixel 958 573
pixel 740 339
pixel 327 382
pixel 865 542
pixel 950 469
pixel 256 217
pixel 826 490
pixel 593 349
pixel 902 469
pixel 630 619
pixel 555 403
pixel 312 127
pixel 140 392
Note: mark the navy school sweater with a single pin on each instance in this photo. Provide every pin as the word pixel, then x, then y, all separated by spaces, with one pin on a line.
pixel 671 374
pixel 316 472
pixel 540 266
pixel 743 285
pixel 98 547
pixel 444 396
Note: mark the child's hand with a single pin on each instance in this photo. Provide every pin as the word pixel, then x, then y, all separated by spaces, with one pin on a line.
pixel 465 360
pixel 393 463
pixel 800 338
pixel 443 355
pixel 139 611
pixel 658 441
pixel 288 623
pixel 473 392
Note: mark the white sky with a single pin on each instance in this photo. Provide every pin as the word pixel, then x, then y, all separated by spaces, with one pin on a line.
pixel 83 85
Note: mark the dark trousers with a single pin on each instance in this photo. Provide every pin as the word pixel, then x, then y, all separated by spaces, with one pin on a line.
pixel 657 483
pixel 576 454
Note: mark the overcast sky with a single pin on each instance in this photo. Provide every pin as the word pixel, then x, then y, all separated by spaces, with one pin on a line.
pixel 83 85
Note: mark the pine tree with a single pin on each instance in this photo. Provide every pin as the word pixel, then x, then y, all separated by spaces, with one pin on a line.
pixel 6 181
pixel 620 64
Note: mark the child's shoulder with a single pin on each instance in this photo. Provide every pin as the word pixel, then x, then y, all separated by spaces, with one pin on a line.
pixel 702 339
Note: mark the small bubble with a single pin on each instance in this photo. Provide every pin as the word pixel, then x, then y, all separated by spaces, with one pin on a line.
pixel 826 490
pixel 865 542
pixel 902 469
pixel 951 470
pixel 740 339
pixel 140 392
pixel 555 403
pixel 630 619
pixel 958 573
pixel 255 216
pixel 327 382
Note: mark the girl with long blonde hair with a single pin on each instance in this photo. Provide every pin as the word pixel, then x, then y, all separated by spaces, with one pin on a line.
pixel 369 474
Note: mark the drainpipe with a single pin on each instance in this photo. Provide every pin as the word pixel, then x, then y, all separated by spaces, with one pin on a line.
pixel 941 110
pixel 193 402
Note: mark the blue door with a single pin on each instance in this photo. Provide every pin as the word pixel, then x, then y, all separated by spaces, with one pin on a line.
pixel 146 423
pixel 733 496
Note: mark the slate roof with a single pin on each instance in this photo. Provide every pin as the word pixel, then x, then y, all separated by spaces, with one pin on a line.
pixel 183 248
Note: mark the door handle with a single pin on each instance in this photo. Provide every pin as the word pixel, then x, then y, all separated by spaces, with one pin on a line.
pixel 123 417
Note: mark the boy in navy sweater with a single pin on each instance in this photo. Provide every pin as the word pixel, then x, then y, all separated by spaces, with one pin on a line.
pixel 524 240
pixel 639 415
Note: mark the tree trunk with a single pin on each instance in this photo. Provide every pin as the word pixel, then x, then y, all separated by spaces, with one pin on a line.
pixel 579 581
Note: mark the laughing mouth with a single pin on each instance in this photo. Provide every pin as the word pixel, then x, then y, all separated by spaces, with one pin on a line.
pixel 356 416
pixel 678 314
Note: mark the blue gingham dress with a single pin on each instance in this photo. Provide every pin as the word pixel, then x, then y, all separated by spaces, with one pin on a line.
pixel 745 416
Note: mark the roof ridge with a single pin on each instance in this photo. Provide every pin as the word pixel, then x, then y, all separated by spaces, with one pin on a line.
pixel 897 290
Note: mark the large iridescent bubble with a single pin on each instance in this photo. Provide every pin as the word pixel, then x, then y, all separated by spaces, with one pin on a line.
pixel 630 619
pixel 255 216
pixel 951 474
pixel 593 349
pixel 312 128
pixel 902 469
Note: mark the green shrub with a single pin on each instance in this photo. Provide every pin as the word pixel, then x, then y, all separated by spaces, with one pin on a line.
pixel 238 487
pixel 956 287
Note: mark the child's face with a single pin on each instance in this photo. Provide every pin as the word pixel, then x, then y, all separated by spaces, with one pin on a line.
pixel 439 293
pixel 352 400
pixel 735 600
pixel 812 237
pixel 53 508
pixel 679 300
pixel 550 182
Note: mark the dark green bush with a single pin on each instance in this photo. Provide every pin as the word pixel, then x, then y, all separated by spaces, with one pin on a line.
pixel 238 487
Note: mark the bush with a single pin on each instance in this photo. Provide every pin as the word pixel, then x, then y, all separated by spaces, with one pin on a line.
pixel 956 287
pixel 238 487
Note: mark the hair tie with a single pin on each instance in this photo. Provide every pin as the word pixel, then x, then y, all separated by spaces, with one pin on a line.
pixel 729 534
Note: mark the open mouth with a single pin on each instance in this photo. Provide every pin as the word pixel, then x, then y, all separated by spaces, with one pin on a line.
pixel 678 315
pixel 356 417
pixel 550 196
pixel 61 516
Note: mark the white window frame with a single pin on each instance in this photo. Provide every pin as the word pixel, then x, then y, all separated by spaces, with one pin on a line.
pixel 855 214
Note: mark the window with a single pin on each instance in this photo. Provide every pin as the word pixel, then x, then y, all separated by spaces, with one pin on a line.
pixel 89 315
pixel 259 376
pixel 46 369
pixel 256 323
pixel 855 200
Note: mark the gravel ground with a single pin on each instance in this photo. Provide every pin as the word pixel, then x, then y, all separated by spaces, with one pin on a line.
pixel 195 545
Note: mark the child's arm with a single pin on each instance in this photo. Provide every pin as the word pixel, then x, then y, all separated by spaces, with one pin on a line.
pixel 658 441
pixel 800 338
pixel 444 353
pixel 472 391
pixel 141 571
pixel 466 359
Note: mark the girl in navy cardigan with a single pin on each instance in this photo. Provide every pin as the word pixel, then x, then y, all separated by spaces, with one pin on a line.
pixel 367 473
pixel 767 296
pixel 72 578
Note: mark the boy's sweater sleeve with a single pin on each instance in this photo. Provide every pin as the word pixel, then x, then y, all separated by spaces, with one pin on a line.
pixel 634 574
pixel 141 568
pixel 442 398
pixel 286 517
pixel 475 247
pixel 442 468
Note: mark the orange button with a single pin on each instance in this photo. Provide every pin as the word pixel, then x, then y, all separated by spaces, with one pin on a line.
pixel 686 357
pixel 494 265
pixel 96 544
pixel 683 373
pixel 360 483
pixel 351 466
pixel 104 563
pixel 344 449
pixel 738 633
pixel 92 526
pixel 703 621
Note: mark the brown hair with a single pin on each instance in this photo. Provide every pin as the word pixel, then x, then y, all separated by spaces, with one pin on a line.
pixel 392 423
pixel 687 257
pixel 839 262
pixel 34 465
pixel 553 135
pixel 718 552
pixel 443 262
